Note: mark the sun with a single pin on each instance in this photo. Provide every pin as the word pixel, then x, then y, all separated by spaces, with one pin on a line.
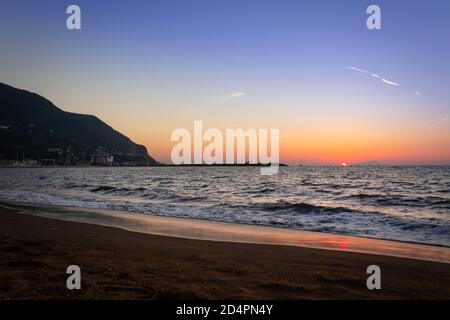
pixel 344 164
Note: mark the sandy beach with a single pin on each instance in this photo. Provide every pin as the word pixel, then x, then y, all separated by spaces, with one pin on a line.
pixel 119 264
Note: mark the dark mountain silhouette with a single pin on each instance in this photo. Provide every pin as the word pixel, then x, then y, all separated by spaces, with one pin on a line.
pixel 32 125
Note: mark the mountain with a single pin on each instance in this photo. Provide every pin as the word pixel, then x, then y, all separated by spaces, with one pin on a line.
pixel 33 127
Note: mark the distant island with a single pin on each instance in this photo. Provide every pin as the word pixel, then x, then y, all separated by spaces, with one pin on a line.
pixel 366 163
pixel 223 165
pixel 33 131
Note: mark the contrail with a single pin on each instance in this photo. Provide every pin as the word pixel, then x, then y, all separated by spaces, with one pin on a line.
pixel 390 82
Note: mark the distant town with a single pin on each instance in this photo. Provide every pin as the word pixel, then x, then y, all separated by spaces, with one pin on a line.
pixel 65 157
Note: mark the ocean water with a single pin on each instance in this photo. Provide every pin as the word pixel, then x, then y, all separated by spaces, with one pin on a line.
pixel 398 203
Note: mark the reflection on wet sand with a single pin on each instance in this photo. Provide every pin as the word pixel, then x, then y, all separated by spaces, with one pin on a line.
pixel 220 231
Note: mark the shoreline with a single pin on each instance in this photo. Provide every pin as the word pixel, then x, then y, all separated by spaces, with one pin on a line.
pixel 209 230
pixel 119 264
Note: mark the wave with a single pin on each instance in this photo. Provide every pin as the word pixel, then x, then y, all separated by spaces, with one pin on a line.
pixel 365 195
pixel 304 208
pixel 384 202
pixel 395 200
pixel 262 191
pixel 414 202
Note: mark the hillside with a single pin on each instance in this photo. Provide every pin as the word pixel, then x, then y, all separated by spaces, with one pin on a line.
pixel 33 127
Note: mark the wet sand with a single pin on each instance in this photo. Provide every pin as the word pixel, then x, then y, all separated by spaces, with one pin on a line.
pixel 119 264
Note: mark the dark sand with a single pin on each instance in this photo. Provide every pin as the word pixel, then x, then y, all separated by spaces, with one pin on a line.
pixel 118 264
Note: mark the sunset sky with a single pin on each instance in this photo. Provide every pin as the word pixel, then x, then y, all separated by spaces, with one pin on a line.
pixel 337 91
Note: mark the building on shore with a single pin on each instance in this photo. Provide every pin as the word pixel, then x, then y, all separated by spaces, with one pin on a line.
pixel 102 159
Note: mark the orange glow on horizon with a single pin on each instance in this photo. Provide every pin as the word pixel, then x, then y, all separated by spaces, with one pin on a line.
pixel 316 146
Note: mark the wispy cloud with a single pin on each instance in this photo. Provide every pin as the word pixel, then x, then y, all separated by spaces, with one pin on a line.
pixel 357 69
pixel 439 123
pixel 390 82
pixel 235 95
pixel 377 76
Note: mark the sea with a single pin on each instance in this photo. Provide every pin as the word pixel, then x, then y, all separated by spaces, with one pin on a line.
pixel 404 203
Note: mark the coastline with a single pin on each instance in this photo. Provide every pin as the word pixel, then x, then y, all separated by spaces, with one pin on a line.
pixel 119 264
pixel 209 230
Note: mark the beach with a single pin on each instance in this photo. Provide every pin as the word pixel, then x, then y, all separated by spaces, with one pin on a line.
pixel 119 264
pixel 223 150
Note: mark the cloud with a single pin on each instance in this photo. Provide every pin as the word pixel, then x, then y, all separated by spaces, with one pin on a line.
pixel 390 82
pixel 439 123
pixel 357 69
pixel 235 95
pixel 384 80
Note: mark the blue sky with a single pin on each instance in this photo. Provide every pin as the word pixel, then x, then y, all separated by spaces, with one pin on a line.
pixel 148 67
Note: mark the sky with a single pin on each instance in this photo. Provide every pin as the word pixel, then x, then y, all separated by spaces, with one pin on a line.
pixel 337 91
